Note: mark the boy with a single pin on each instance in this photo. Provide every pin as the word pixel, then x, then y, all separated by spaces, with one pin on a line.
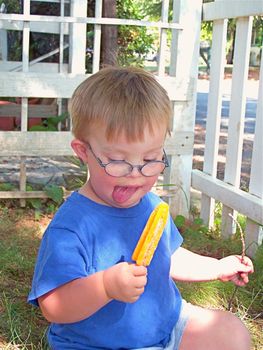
pixel 85 282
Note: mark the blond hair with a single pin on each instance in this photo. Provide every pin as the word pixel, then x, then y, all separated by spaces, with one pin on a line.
pixel 122 100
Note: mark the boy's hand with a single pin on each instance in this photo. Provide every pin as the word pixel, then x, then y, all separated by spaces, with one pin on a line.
pixel 233 269
pixel 125 282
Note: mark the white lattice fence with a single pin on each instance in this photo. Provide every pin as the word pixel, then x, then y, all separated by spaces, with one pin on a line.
pixel 228 192
pixel 27 79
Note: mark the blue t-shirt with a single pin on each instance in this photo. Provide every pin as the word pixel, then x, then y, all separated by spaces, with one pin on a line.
pixel 85 237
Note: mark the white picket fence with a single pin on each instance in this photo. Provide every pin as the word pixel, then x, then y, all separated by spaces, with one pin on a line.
pixel 36 79
pixel 227 191
pixel 49 80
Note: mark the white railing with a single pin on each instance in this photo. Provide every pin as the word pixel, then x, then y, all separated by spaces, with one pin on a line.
pixel 227 191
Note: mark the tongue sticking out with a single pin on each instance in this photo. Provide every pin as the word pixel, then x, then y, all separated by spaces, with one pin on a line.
pixel 121 194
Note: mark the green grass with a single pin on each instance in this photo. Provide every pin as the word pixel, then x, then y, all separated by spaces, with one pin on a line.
pixel 23 327
pixel 248 300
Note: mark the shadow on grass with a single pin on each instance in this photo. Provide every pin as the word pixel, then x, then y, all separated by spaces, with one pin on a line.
pixel 21 325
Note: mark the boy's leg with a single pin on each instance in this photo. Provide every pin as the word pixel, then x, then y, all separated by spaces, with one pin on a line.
pixel 214 330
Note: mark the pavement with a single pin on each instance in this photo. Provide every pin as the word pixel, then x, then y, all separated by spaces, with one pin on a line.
pixel 251 87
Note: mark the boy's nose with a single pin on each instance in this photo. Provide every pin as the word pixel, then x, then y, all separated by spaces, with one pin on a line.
pixel 135 172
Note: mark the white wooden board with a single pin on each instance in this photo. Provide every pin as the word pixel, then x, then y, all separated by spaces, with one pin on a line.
pixel 18 143
pixel 243 202
pixel 231 9
pixel 16 84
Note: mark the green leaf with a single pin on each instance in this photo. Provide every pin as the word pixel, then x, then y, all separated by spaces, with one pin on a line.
pixel 56 120
pixel 198 221
pixel 37 214
pixel 179 221
pixel 29 187
pixel 38 128
pixel 55 193
pixel 6 187
pixel 51 127
pixel 35 202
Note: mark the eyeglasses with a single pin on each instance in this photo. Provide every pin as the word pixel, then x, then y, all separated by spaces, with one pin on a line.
pixel 119 168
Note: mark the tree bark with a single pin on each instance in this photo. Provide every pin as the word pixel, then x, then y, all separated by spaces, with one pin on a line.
pixel 109 38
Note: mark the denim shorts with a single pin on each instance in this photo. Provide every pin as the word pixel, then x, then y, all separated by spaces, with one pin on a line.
pixel 177 333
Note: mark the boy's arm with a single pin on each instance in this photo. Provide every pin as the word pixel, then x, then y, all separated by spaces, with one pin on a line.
pixel 82 297
pixel 191 267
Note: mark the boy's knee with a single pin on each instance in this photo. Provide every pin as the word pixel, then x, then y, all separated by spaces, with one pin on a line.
pixel 215 330
pixel 238 334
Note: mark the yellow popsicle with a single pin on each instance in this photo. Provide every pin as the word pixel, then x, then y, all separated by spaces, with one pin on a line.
pixel 151 235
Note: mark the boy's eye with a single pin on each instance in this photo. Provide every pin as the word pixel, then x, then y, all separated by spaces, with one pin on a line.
pixel 115 160
pixel 153 158
pixel 150 160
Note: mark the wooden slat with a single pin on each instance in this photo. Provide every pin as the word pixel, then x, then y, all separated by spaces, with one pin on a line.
pixel 163 38
pixel 13 84
pixel 34 111
pixel 77 46
pixel 159 190
pixel 97 38
pixel 238 101
pixel 50 27
pixel 253 238
pixel 39 84
pixel 237 114
pixel 16 66
pixel 25 47
pixel 185 68
pixel 61 54
pixel 58 143
pixel 22 179
pixel 256 176
pixel 215 97
pixel 243 202
pixel 35 143
pixel 3 44
pixel 24 100
pixel 178 89
pixel 27 194
pixel 51 1
pixel 180 143
pixel 88 20
pixel 214 114
pixel 174 40
pixel 231 9
pixel 255 232
pixel 61 38
pixel 24 113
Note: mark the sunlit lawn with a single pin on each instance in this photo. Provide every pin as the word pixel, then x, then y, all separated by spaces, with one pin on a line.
pixel 23 327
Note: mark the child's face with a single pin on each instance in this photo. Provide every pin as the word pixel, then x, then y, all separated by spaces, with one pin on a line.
pixel 125 191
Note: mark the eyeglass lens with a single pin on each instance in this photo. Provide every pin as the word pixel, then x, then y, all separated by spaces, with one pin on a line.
pixel 123 168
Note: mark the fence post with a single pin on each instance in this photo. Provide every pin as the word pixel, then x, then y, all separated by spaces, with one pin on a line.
pixel 214 114
pixel 237 115
pixel 254 232
pixel 3 38
pixel 77 56
pixel 184 65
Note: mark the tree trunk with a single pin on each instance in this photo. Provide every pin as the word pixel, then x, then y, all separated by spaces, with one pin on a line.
pixel 230 54
pixel 109 35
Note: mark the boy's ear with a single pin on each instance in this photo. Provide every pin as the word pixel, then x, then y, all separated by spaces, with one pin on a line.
pixel 80 148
